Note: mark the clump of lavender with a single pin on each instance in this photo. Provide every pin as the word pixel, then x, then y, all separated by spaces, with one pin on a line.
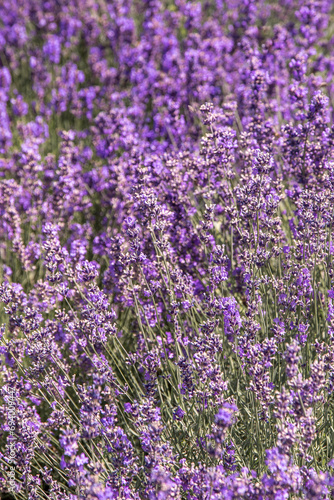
pixel 166 270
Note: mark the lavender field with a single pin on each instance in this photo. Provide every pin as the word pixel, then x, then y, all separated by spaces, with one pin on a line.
pixel 166 249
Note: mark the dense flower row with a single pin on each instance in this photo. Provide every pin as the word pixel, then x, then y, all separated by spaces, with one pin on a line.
pixel 166 213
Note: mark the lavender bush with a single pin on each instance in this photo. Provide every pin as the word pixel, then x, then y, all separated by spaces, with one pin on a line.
pixel 167 279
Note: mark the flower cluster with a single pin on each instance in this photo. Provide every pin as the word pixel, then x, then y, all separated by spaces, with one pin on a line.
pixel 166 249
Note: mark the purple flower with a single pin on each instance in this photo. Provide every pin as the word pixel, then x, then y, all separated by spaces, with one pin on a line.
pixel 178 414
pixel 226 415
pixel 52 49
